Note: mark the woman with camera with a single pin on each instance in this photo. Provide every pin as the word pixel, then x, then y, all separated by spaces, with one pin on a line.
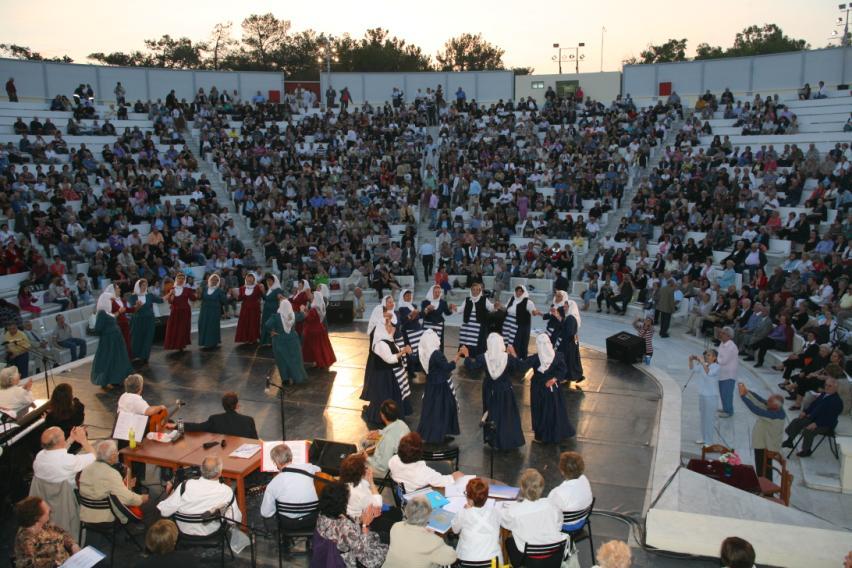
pixel 708 392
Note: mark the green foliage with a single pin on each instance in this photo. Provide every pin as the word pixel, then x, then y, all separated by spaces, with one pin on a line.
pixel 706 51
pixel 469 52
pixel 23 52
pixel 523 70
pixel 672 50
pixel 759 40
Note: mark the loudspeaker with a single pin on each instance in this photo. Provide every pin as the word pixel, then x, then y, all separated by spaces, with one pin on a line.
pixel 340 311
pixel 625 347
pixel 327 454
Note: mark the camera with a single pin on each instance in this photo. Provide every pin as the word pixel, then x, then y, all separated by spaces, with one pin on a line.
pixel 181 474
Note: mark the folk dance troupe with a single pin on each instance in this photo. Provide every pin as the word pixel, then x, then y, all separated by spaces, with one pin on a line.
pixel 404 337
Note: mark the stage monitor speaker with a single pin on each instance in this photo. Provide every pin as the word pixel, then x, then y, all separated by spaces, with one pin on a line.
pixel 625 347
pixel 327 454
pixel 340 311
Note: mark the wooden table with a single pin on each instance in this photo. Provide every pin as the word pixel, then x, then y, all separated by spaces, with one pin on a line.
pixel 189 451
pixel 742 476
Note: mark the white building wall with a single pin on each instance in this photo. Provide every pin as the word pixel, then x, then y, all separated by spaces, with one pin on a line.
pixel 484 86
pixel 602 87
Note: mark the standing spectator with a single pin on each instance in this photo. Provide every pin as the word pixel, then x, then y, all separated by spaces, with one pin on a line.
pixel 665 303
pixel 330 95
pixel 120 92
pixel 708 379
pixel 11 90
pixel 645 329
pixel 39 543
pixel 728 365
pixel 767 432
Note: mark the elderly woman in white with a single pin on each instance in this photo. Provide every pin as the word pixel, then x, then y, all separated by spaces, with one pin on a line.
pixel 478 525
pixel 531 520
pixel 13 396
pixel 408 468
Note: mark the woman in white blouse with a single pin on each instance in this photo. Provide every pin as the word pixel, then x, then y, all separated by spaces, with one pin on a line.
pixel 478 525
pixel 575 493
pixel 532 519
pixel 408 468
pixel 364 496
pixel 13 396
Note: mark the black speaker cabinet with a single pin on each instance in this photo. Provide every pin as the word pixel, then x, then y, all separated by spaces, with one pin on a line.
pixel 625 347
pixel 340 311
pixel 327 454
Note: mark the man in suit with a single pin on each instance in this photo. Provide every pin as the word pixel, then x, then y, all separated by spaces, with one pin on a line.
pixel 229 423
pixel 818 418
pixel 665 303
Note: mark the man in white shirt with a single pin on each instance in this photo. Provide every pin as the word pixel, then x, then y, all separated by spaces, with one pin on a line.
pixel 132 401
pixel 54 464
pixel 199 496
pixel 728 363
pixel 294 485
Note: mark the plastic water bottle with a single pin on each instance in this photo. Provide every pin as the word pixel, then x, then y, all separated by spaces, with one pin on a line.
pixel 647 359
pixel 180 426
pixel 131 437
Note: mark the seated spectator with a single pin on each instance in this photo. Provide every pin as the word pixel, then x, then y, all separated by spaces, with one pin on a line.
pixel 199 496
pixel 575 493
pixel 17 349
pixel 54 464
pixel 356 544
pixel 160 541
pixel 415 546
pixel 64 410
pixel 14 397
pixel 822 91
pixel 38 542
pixel 408 468
pixel 614 554
pixel 805 92
pixel 294 484
pixel 478 526
pixel 818 418
pixel 531 519
pixel 101 479
pixel 63 337
pixel 737 552
pixel 388 438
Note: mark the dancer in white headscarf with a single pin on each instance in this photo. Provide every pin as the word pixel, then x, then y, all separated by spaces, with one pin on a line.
pixel 271 300
pixel 251 296
pixel 474 329
pixel 559 307
pixel 501 420
pixel 549 418
pixel 434 308
pixel 386 378
pixel 316 346
pixel 180 318
pixel 286 345
pixel 439 417
pixel 518 322
pixel 409 326
pixel 213 299
pixel 143 322
pixel 112 296
pixel 112 363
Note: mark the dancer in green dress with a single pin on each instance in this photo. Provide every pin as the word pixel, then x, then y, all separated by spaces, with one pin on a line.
pixel 210 318
pixel 270 305
pixel 111 364
pixel 286 345
pixel 142 321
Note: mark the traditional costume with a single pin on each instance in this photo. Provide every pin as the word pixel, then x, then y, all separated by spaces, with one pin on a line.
pixel 180 318
pixel 549 417
pixel 316 346
pixel 434 308
pixel 142 322
pixel 439 416
pixel 248 326
pixel 270 305
pixel 474 330
pixel 286 345
pixel 518 322
pixel 111 364
pixel 213 299
pixel 387 377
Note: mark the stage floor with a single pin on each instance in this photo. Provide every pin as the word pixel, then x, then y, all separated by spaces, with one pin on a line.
pixel 615 415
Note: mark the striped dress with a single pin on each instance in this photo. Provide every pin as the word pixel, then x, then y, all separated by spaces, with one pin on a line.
pixel 470 333
pixel 434 320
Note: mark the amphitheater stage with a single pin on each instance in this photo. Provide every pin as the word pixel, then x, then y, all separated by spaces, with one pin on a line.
pixel 616 415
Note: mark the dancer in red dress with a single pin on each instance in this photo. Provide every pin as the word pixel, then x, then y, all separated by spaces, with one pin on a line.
pixel 119 309
pixel 248 326
pixel 302 297
pixel 180 318
pixel 316 346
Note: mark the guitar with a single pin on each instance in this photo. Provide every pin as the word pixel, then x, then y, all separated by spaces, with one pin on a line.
pixel 157 422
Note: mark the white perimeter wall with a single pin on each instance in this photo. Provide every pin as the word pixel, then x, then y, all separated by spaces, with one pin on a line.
pixel 38 81
pixel 782 73
pixel 484 86
pixel 603 87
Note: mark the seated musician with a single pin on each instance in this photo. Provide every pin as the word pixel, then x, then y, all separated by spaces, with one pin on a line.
pixel 199 496
pixel 101 479
pixel 384 443
pixel 229 423
pixel 294 486
pixel 409 469
pixel 14 397
pixel 132 401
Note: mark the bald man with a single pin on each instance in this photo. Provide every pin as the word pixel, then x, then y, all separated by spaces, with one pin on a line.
pixel 54 464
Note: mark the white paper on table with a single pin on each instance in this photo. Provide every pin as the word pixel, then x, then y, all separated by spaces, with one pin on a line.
pixel 455 505
pixel 86 558
pixel 299 449
pixel 245 451
pixel 457 488
pixel 127 420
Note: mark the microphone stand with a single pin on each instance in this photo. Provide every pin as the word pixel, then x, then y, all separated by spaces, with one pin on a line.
pixel 280 396
pixel 46 359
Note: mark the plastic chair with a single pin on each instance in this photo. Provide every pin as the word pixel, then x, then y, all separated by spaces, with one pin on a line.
pixel 301 511
pixel 544 555
pixel 578 525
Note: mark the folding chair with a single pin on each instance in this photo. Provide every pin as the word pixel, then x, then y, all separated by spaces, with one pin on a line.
pixel 302 511
pixel 578 525
pixel 216 539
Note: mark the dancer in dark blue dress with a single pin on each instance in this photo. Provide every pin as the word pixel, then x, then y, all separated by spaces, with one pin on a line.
pixel 500 407
pixel 549 417
pixel 569 342
pixel 377 319
pixel 434 308
pixel 518 322
pixel 474 329
pixel 387 375
pixel 555 316
pixel 439 416
pixel 409 327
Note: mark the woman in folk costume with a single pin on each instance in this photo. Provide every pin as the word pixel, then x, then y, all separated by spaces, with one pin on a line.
pixel 434 308
pixel 302 297
pixel 439 416
pixel 180 318
pixel 142 322
pixel 568 341
pixel 213 298
pixel 388 377
pixel 549 417
pixel 271 299
pixel 518 322
pixel 286 344
pixel 251 295
pixel 377 319
pixel 111 364
pixel 316 346
pixel 474 330
pixel 119 310
pixel 500 408
pixel 554 324
pixel 326 296
pixel 409 326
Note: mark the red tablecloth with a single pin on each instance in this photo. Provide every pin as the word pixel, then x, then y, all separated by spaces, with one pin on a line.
pixel 742 476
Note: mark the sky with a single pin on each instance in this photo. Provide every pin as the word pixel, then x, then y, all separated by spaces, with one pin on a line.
pixel 526 30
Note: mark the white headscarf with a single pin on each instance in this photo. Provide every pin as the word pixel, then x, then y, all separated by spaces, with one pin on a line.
pixel 546 354
pixel 105 299
pixel 249 288
pixel 572 309
pixel 178 289
pixel 476 298
pixel 377 316
pixel 559 303
pixel 141 297
pixel 326 293
pixel 210 287
pixel 429 343
pixel 381 334
pixel 288 316
pixel 430 296
pixel 513 305
pixel 276 284
pixel 496 357
pixel 303 285
pixel 401 303
pixel 318 304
